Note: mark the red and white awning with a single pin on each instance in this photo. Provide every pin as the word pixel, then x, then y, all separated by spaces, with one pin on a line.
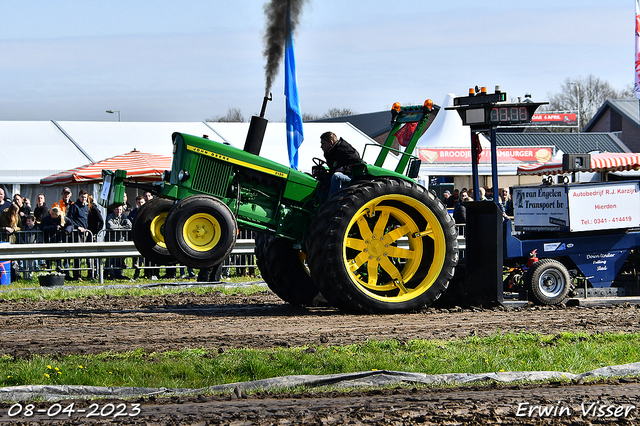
pixel 603 162
pixel 146 167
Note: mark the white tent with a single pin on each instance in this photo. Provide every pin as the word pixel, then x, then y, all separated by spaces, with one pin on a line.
pixel 32 150
pixel 106 139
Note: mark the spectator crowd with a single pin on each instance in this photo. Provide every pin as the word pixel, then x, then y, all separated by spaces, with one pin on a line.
pixel 77 221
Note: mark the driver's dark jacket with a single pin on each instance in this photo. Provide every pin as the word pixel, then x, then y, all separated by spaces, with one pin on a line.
pixel 342 154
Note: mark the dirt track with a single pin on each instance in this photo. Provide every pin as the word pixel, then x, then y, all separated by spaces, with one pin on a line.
pixel 216 321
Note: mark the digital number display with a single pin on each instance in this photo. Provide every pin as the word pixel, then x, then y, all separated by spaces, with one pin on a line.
pixel 509 115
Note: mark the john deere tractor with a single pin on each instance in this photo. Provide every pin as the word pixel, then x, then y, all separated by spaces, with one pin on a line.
pixel 384 244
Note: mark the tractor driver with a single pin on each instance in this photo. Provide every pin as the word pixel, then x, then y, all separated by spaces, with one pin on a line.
pixel 340 156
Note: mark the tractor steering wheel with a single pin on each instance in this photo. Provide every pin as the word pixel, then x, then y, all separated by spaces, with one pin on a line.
pixel 319 161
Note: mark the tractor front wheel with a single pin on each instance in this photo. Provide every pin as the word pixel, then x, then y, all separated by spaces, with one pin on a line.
pixel 148 231
pixel 382 246
pixel 200 231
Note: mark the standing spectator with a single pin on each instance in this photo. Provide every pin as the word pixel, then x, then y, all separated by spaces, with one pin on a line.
pixel 95 224
pixel 453 200
pixel 116 224
pixel 30 235
pixel 41 209
pixel 489 193
pixel 55 227
pixel 78 214
pixel 446 195
pixel 10 223
pixel 460 211
pixel 4 202
pixel 138 261
pixel 64 203
pixel 139 203
pixel 505 203
pixel 147 196
pixel 126 207
pixel 482 194
pixel 55 230
pixel 23 209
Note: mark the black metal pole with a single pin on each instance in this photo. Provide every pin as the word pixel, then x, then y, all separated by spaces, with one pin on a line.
pixel 494 165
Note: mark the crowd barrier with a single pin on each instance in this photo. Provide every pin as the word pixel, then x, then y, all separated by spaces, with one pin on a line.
pixel 94 256
pixel 90 255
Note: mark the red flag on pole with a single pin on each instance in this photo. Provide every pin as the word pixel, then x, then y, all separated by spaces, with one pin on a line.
pixel 405 133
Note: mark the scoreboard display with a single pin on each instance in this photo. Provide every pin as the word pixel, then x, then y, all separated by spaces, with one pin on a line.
pixel 491 110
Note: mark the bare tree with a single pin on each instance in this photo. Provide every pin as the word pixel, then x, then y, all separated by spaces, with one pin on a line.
pixel 331 113
pixel 234 115
pixel 585 95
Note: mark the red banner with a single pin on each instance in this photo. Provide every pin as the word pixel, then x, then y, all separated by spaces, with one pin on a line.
pixel 505 155
pixel 554 119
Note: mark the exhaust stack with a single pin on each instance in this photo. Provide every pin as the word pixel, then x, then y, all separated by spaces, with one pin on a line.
pixel 257 127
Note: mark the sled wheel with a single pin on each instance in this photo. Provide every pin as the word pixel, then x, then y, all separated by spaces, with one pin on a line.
pixel 383 246
pixel 285 271
pixel 200 231
pixel 148 231
pixel 548 282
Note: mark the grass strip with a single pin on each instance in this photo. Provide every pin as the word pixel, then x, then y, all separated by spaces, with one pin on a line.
pixel 197 368
pixel 120 289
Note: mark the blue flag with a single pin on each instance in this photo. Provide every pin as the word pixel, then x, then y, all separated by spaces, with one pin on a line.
pixel 294 118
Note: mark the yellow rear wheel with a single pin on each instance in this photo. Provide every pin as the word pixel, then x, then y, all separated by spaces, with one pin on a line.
pixel 382 246
pixel 385 247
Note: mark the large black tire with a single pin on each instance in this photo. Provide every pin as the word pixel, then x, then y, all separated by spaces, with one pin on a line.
pixel 548 282
pixel 354 247
pixel 261 255
pixel 148 231
pixel 284 270
pixel 200 231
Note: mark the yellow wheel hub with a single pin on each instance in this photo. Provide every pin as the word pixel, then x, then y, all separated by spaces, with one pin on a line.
pixel 394 253
pixel 201 232
pixel 157 229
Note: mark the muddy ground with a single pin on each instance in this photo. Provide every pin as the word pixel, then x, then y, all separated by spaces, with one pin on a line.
pixel 174 322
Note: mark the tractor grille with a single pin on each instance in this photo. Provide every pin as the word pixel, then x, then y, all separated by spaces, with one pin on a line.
pixel 212 176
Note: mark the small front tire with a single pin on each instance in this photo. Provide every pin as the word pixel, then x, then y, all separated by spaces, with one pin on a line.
pixel 200 231
pixel 148 231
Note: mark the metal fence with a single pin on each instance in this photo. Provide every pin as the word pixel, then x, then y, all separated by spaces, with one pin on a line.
pixel 75 253
pixel 91 256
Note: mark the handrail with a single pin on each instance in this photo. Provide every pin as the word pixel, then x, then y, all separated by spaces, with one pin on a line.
pixel 53 251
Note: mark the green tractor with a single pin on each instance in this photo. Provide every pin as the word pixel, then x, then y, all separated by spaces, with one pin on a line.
pixel 384 244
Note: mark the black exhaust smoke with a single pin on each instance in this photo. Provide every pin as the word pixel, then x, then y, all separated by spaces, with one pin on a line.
pixel 276 34
pixel 274 38
pixel 257 127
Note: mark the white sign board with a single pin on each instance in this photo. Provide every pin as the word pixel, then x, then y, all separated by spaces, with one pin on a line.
pixel 540 208
pixel 606 206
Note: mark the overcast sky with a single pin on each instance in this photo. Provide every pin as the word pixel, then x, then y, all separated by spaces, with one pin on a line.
pixel 195 59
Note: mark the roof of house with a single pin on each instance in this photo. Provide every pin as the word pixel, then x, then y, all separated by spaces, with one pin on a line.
pixel 372 124
pixel 628 108
pixel 566 142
